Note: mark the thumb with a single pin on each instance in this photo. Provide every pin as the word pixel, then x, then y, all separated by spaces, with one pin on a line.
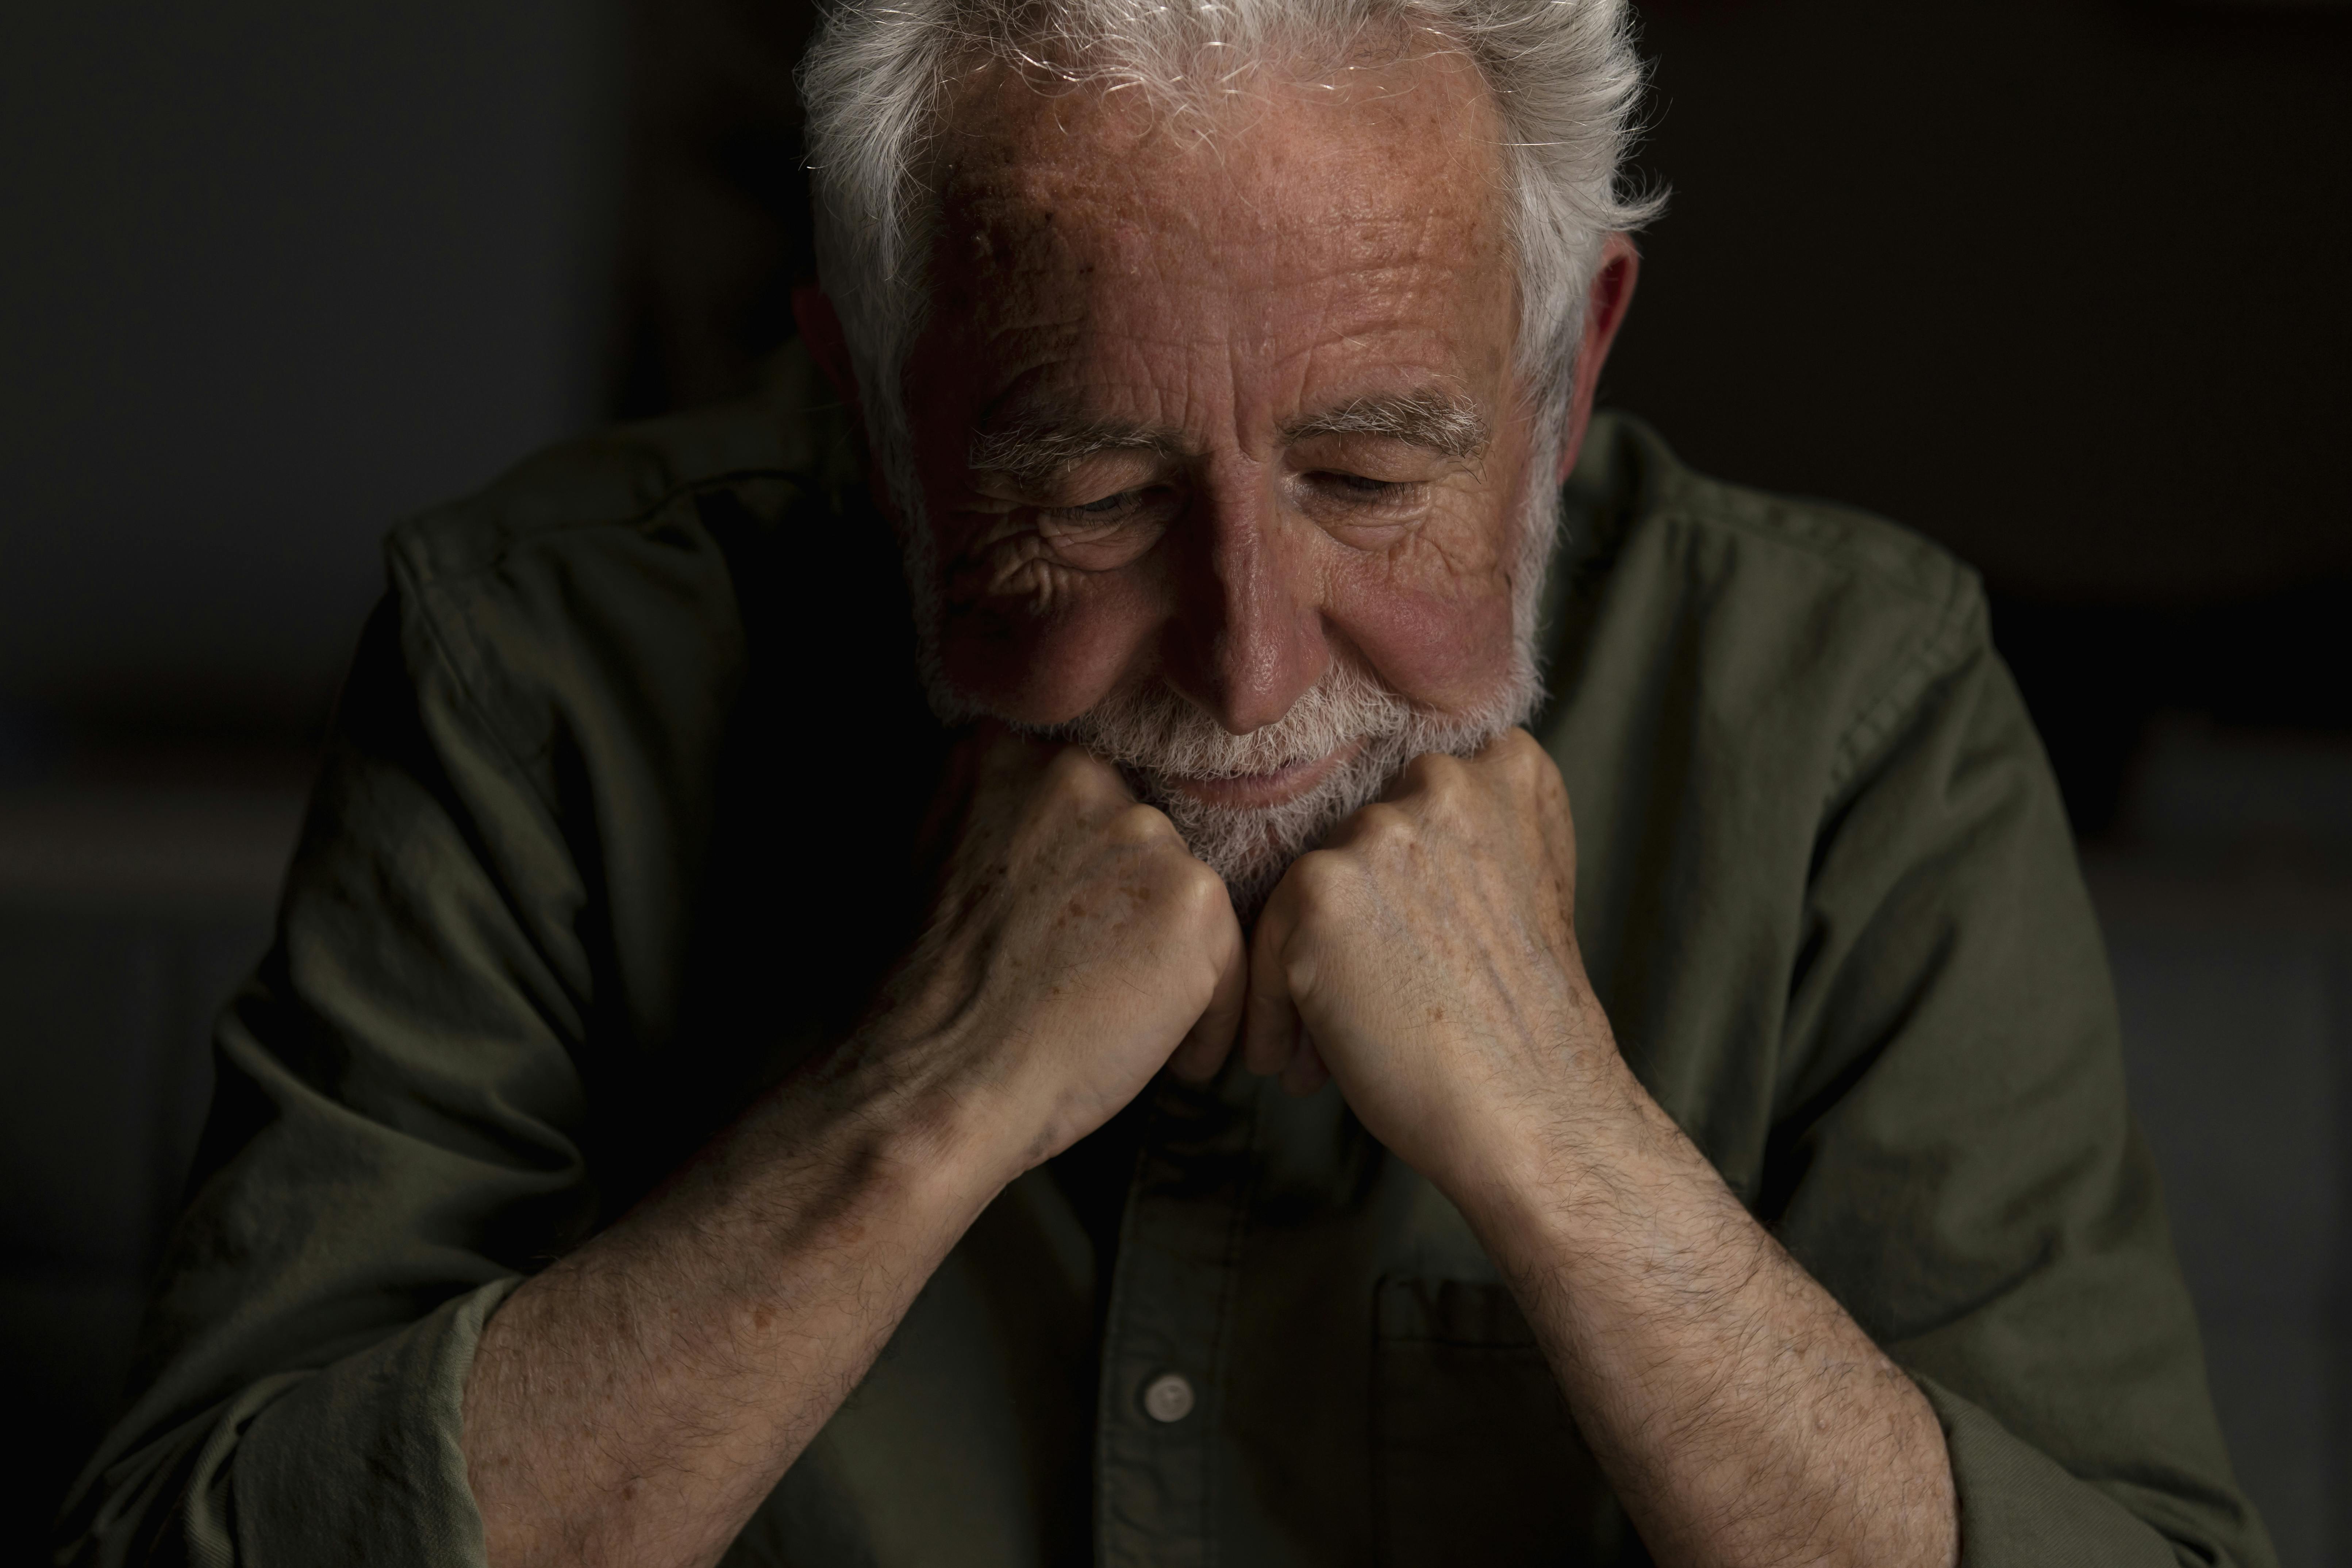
pixel 1210 1039
pixel 1270 1027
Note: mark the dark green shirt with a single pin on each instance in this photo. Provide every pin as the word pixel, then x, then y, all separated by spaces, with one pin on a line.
pixel 615 830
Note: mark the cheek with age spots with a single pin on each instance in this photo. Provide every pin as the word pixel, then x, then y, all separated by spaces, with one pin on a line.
pixel 1048 658
pixel 1457 552
pixel 1435 648
pixel 1434 614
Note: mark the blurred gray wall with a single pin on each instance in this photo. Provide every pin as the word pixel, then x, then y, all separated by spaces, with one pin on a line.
pixel 273 275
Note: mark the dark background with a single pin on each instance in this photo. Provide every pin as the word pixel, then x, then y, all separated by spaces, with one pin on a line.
pixel 2063 284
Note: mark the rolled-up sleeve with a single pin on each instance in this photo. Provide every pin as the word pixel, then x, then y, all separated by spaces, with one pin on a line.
pixel 1956 1160
pixel 468 1044
pixel 400 1111
pixel 356 1462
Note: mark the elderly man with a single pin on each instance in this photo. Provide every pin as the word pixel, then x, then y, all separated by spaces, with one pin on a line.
pixel 700 1106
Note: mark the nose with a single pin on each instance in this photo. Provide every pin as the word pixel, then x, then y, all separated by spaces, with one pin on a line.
pixel 1247 636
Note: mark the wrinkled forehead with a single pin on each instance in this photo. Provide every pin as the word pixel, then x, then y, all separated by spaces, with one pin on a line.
pixel 1367 183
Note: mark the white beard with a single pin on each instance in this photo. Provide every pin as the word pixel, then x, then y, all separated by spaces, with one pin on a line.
pixel 1157 739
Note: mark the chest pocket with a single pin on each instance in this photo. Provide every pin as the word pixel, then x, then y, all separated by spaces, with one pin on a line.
pixel 1475 1457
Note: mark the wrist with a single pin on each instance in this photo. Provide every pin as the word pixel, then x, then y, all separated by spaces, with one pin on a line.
pixel 952 1143
pixel 960 1115
pixel 1578 1181
pixel 892 1135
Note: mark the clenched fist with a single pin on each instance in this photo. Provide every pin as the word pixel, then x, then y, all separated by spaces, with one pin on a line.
pixel 1426 958
pixel 1074 945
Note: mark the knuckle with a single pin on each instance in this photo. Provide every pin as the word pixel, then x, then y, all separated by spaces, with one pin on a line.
pixel 1433 769
pixel 1077 765
pixel 1449 779
pixel 1566 809
pixel 1141 826
pixel 1193 897
pixel 1200 889
pixel 1318 875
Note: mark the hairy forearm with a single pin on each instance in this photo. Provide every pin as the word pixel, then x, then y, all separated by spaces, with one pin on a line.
pixel 636 1401
pixel 1741 1414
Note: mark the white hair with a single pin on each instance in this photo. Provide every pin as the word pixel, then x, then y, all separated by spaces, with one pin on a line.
pixel 1563 74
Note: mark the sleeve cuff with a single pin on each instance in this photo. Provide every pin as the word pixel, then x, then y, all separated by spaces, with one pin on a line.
pixel 2019 1506
pixel 362 1463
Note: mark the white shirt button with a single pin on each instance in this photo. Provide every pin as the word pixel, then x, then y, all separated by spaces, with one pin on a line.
pixel 1167 1397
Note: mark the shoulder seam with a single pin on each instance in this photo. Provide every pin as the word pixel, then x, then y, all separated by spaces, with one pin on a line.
pixel 1941 648
pixel 1684 508
pixel 1935 656
pixel 399 546
pixel 418 592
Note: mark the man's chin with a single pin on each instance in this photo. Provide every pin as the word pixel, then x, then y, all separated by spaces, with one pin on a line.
pixel 1266 791
pixel 1250 828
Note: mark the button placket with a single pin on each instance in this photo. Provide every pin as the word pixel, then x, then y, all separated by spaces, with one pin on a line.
pixel 1164 1334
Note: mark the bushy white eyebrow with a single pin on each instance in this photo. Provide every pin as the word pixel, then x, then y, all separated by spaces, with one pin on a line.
pixel 1035 452
pixel 1446 425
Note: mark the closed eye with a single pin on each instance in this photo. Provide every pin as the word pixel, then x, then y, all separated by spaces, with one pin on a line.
pixel 1359 509
pixel 1109 531
pixel 1154 504
pixel 1337 487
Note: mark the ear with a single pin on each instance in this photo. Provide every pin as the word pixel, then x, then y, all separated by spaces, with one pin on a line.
pixel 820 329
pixel 1604 312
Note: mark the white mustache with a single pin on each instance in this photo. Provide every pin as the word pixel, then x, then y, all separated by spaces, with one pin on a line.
pixel 1157 734
pixel 1160 739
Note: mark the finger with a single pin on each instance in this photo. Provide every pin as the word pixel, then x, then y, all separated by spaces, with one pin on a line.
pixel 1211 1040
pixel 1420 777
pixel 1306 1073
pixel 1085 778
pixel 1270 1018
pixel 1517 739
